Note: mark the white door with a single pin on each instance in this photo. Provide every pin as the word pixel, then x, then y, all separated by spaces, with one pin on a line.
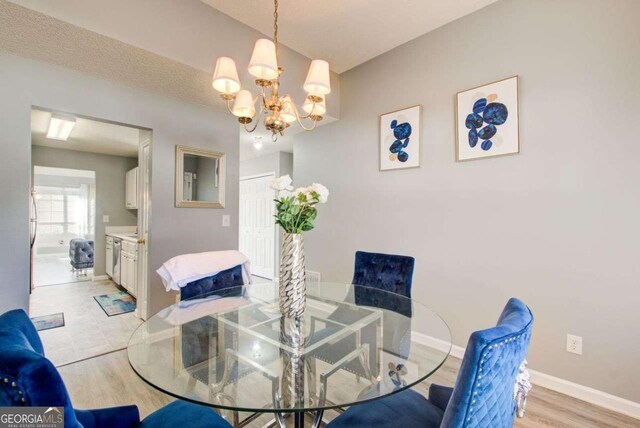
pixel 257 227
pixel 144 216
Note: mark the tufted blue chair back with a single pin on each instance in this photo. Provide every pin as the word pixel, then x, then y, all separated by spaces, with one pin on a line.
pixel 81 253
pixel 483 394
pixel 197 334
pixel 27 378
pixel 212 284
pixel 387 272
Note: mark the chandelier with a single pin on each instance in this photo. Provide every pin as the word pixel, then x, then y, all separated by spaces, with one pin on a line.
pixel 279 111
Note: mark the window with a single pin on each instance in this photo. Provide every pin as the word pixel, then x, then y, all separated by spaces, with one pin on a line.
pixel 59 210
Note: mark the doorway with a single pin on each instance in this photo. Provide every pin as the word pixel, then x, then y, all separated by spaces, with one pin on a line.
pixel 257 228
pixel 90 215
pixel 63 219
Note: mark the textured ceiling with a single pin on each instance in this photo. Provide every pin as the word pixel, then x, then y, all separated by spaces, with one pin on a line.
pixel 31 34
pixel 88 136
pixel 347 32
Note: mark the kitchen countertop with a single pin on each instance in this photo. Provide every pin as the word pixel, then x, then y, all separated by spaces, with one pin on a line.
pixel 126 233
pixel 124 236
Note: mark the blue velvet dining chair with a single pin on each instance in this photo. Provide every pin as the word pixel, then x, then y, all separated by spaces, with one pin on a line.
pixel 196 335
pixel 377 274
pixel 483 395
pixel 28 378
pixel 388 272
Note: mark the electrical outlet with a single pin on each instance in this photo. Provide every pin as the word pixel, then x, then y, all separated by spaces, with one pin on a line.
pixel 105 218
pixel 226 220
pixel 574 344
pixel 312 276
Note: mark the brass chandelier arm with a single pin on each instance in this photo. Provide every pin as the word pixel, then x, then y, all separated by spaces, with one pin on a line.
pixel 299 118
pixel 257 120
pixel 229 104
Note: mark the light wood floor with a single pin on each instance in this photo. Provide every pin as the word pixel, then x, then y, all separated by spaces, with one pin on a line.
pixel 108 380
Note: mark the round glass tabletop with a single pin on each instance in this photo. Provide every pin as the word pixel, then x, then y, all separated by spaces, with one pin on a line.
pixel 233 350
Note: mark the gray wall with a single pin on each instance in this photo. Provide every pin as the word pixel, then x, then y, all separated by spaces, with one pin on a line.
pixel 286 164
pixel 556 225
pixel 25 83
pixel 110 188
pixel 279 163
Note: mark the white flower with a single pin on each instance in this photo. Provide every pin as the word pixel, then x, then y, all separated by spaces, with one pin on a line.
pixel 282 183
pixel 286 193
pixel 322 192
pixel 305 191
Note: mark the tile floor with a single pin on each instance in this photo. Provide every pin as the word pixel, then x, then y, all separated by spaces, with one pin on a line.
pixel 88 331
pixel 53 269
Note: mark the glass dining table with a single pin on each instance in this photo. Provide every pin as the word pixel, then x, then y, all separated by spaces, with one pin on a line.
pixel 233 350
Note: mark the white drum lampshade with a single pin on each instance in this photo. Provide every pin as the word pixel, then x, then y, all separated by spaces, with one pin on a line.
pixel 225 76
pixel 263 64
pixel 243 106
pixel 319 109
pixel 318 82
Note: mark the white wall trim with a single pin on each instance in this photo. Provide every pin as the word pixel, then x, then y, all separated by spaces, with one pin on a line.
pixel 575 390
pixel 252 177
pixel 100 278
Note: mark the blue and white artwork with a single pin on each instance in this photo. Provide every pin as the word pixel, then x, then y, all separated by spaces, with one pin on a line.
pixel 487 120
pixel 400 139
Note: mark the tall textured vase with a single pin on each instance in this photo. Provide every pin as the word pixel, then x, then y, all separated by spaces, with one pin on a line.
pixel 293 292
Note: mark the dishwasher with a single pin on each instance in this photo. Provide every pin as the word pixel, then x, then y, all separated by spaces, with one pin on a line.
pixel 117 247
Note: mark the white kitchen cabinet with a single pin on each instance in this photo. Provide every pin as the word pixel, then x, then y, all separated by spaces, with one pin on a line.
pixel 109 257
pixel 131 189
pixel 129 266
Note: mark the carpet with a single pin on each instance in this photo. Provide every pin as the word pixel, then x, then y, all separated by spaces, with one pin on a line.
pixel 116 303
pixel 46 322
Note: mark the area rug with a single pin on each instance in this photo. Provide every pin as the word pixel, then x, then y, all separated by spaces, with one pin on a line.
pixel 46 322
pixel 116 303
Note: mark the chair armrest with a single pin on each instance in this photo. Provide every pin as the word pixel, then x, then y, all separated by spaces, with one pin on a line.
pixel 112 417
pixel 440 395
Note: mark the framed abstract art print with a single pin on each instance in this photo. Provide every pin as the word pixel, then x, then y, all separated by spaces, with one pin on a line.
pixel 487 120
pixel 399 145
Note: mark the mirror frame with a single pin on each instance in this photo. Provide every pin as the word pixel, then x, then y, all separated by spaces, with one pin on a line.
pixel 185 150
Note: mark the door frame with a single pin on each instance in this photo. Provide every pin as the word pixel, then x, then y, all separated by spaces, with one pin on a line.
pixel 276 237
pixel 144 217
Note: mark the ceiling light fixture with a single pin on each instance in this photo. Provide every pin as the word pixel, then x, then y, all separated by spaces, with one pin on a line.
pixel 257 143
pixel 280 111
pixel 60 127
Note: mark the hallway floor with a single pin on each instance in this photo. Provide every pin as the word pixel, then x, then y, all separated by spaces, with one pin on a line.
pixel 88 331
pixel 53 269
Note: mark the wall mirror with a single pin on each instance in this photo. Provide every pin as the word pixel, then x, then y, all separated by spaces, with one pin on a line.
pixel 199 178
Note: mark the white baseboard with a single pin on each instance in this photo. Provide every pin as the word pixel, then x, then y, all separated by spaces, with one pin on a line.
pixel 437 344
pixel 585 393
pixel 100 278
pixel 575 390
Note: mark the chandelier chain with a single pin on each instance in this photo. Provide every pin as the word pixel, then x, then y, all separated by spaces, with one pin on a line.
pixel 275 26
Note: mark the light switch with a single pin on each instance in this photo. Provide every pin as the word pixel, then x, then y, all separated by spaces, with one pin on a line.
pixel 226 221
pixel 105 218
